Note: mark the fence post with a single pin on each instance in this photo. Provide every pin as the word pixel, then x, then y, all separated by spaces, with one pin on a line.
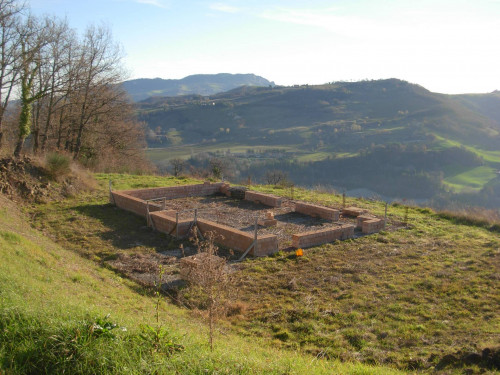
pixel 255 235
pixel 111 198
pixel 177 224
pixel 385 215
pixel 164 204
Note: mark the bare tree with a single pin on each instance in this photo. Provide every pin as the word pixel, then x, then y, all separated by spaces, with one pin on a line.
pixel 53 78
pixel 210 281
pixel 178 165
pixel 68 89
pixel 276 177
pixel 34 35
pixel 100 62
pixel 114 134
pixel 9 43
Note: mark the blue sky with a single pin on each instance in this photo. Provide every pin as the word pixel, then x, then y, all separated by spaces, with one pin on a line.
pixel 445 46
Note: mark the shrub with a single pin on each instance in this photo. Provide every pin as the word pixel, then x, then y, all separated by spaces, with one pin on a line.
pixel 58 165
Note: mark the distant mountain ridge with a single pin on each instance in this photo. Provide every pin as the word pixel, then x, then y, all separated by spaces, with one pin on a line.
pixel 198 84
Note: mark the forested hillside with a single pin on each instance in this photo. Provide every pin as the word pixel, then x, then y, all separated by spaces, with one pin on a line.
pixel 389 136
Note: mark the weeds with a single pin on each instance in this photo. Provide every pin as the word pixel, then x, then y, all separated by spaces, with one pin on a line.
pixel 58 165
pixel 488 219
pixel 210 282
pixel 158 336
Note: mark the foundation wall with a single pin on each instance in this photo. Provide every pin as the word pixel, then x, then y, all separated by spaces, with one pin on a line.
pixel 353 211
pixel 224 189
pixel 372 226
pixel 320 237
pixel 173 192
pixel 239 240
pixel 317 211
pixel 362 218
pixel 133 204
pixel 265 199
pixel 165 223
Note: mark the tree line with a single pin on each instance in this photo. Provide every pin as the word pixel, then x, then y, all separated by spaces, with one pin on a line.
pixel 60 91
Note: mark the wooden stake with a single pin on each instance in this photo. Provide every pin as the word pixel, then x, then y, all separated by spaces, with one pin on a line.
pixel 111 198
pixel 147 214
pixel 254 243
pixel 177 225
pixel 255 234
pixel 385 215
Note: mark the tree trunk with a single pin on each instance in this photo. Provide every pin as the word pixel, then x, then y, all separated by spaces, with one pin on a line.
pixel 36 129
pixel 78 144
pixel 19 146
pixel 2 111
pixel 24 121
pixel 36 140
pixel 211 326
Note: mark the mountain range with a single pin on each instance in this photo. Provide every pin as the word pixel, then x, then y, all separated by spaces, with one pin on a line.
pixel 201 84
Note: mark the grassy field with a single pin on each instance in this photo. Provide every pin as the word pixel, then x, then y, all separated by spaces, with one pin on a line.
pixel 63 313
pixel 161 156
pixel 472 179
pixel 490 157
pixel 406 299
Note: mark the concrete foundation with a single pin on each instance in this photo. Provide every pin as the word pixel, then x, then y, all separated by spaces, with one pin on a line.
pixel 153 201
pixel 321 237
pixel 352 211
pixel 372 226
pixel 317 211
pixel 265 199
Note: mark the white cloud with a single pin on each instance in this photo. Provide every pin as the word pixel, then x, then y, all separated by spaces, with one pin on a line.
pixel 156 3
pixel 226 8
pixel 328 19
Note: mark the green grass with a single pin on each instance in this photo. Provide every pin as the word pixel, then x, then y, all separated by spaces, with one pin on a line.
pixel 163 155
pixel 472 179
pixel 402 298
pixel 52 298
pixel 469 179
pixel 491 157
pixel 316 156
pixel 416 293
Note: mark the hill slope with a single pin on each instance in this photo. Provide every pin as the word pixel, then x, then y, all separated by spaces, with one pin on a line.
pixel 58 313
pixel 331 123
pixel 200 84
pixel 423 297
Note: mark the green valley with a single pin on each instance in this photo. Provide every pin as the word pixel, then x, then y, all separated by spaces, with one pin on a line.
pixel 338 126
